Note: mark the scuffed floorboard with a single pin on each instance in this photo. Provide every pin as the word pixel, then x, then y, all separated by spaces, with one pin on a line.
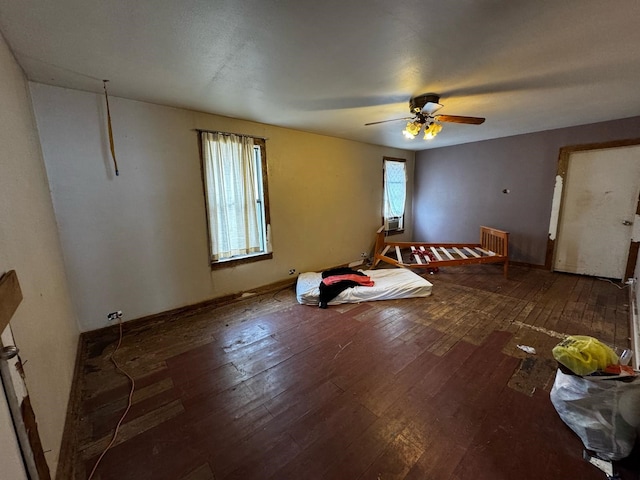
pixel 434 387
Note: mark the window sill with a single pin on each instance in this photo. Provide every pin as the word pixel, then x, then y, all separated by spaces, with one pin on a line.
pixel 240 261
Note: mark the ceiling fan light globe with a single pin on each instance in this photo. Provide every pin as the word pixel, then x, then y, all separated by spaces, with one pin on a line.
pixel 412 129
pixel 428 132
pixel 408 135
pixel 432 130
pixel 409 132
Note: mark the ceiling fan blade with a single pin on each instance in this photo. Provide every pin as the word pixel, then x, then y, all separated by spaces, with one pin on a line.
pixel 393 120
pixel 459 119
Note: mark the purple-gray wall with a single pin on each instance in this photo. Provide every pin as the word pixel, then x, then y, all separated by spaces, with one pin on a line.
pixel 459 188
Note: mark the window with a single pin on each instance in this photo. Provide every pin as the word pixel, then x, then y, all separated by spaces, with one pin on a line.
pixel 235 182
pixel 395 193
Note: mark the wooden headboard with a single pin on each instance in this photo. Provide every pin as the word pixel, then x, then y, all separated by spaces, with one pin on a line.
pixel 494 240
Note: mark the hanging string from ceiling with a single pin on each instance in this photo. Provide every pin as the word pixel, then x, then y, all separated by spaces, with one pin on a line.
pixel 113 152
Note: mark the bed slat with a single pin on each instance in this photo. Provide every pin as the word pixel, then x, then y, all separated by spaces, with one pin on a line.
pixel 436 254
pixel 416 255
pixel 472 252
pixel 446 252
pixel 459 252
pixel 398 254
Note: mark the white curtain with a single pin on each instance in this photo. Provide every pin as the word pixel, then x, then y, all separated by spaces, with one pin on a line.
pixel 232 195
pixel 395 188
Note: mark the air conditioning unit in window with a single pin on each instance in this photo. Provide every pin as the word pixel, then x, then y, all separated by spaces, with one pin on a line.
pixel 391 223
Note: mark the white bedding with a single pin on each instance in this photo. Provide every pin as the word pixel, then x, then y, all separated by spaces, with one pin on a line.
pixel 390 283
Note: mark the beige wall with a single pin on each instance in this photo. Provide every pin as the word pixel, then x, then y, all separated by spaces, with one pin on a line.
pixel 138 242
pixel 44 325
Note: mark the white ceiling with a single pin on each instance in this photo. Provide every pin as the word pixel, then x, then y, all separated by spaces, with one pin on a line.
pixel 332 66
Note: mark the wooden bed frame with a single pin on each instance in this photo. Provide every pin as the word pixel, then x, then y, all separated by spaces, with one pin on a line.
pixel 493 248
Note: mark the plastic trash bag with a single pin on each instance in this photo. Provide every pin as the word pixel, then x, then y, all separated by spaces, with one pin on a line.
pixel 604 413
pixel 584 355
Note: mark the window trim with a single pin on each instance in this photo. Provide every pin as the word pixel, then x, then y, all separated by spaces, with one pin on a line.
pixel 397 231
pixel 220 264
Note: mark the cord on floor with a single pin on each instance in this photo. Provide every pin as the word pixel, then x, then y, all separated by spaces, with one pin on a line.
pixel 620 287
pixel 133 387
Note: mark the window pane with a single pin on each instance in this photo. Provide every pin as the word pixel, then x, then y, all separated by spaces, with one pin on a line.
pixel 234 195
pixel 260 204
pixel 395 190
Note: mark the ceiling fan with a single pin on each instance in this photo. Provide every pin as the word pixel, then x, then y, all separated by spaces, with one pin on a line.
pixel 423 108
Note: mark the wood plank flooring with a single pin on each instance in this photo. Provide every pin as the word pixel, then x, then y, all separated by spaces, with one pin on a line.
pixel 431 388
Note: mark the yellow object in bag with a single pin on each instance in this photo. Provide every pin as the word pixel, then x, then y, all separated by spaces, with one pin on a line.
pixel 584 355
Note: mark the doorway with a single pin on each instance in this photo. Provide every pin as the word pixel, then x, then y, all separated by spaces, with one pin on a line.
pixel 593 229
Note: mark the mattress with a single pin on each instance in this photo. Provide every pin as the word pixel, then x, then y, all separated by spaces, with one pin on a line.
pixel 389 284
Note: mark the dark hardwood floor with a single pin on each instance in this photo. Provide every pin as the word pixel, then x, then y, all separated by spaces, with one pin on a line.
pixel 431 388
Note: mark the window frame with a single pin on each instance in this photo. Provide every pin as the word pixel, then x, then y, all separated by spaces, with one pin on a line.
pixel 249 258
pixel 396 231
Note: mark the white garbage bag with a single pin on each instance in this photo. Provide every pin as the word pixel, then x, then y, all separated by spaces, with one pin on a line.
pixel 602 412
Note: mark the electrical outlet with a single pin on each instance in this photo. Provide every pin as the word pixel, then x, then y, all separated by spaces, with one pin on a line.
pixel 292 271
pixel 364 255
pixel 114 315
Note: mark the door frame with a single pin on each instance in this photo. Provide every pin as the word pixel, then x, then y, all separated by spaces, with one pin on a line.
pixel 24 420
pixel 559 197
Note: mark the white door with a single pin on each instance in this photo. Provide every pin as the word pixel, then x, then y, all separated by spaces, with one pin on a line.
pixel 598 210
pixel 11 462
